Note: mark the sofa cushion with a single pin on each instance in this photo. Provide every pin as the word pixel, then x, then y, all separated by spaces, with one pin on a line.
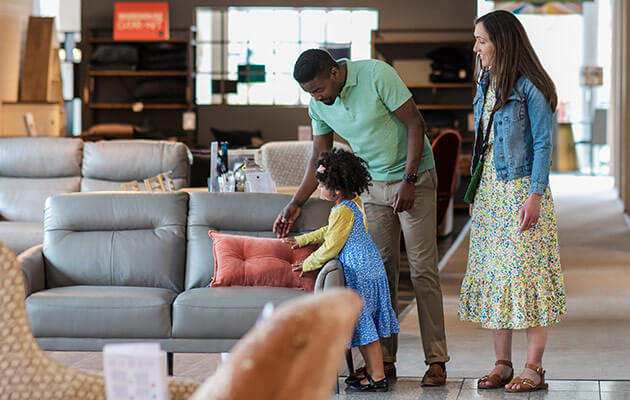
pixel 21 235
pixel 22 199
pixel 101 312
pixel 249 214
pixel 108 163
pixel 251 261
pixel 41 157
pixel 124 239
pixel 223 312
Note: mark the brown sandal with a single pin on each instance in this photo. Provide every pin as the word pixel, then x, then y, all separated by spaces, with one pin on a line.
pixel 495 380
pixel 527 385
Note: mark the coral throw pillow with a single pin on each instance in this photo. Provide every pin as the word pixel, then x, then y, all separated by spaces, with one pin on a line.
pixel 252 261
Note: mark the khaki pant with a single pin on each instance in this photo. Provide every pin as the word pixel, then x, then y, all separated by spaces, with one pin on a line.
pixel 418 225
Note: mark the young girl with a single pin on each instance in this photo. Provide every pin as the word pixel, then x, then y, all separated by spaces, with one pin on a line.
pixel 342 177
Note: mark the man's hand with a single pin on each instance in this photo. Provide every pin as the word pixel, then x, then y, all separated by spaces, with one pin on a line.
pixel 291 241
pixel 283 223
pixel 530 212
pixel 404 197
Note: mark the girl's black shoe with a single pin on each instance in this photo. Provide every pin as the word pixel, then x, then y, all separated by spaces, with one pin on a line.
pixel 371 386
pixel 353 380
pixel 359 374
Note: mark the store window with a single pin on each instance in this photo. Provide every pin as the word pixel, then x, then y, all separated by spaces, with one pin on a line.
pixel 243 61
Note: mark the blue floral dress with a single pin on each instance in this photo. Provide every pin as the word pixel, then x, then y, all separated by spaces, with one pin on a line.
pixel 513 280
pixel 364 272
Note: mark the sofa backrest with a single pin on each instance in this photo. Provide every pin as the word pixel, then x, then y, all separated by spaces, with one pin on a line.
pixel 250 214
pixel 123 239
pixel 106 164
pixel 31 169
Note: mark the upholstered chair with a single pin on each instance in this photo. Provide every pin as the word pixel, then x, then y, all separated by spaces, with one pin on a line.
pixel 287 160
pixel 446 153
pixel 294 354
pixel 26 372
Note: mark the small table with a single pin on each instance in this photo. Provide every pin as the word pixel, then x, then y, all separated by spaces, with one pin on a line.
pixel 279 189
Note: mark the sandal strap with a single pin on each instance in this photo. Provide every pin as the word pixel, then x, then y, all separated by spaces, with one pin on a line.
pixel 494 379
pixel 507 363
pixel 370 380
pixel 528 382
pixel 536 368
pixel 516 380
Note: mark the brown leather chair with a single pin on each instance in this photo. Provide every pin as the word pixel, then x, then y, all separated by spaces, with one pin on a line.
pixel 445 151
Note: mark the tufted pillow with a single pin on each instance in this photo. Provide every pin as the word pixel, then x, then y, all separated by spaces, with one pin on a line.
pixel 254 261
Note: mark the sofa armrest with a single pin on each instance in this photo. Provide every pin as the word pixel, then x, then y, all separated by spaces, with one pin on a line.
pixel 32 262
pixel 330 275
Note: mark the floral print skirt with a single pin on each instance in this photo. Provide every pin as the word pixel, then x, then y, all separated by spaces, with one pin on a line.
pixel 513 280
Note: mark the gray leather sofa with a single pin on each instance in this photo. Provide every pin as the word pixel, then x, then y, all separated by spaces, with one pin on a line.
pixel 135 267
pixel 33 168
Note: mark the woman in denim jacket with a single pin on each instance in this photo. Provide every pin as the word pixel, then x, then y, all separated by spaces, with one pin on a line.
pixel 513 279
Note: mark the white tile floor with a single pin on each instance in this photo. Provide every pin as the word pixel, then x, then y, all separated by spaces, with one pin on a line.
pixel 464 389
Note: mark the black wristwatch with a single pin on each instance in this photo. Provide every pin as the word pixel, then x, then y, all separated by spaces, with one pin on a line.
pixel 411 178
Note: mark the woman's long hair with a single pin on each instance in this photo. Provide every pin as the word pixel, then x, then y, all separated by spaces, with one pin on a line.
pixel 514 57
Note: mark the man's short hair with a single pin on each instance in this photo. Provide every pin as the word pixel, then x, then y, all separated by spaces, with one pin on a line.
pixel 313 63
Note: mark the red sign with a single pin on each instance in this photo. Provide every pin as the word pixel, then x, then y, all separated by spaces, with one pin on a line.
pixel 141 21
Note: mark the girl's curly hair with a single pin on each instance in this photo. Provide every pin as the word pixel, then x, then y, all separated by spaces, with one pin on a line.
pixel 341 170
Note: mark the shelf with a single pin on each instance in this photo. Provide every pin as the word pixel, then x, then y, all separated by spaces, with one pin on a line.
pixel 445 107
pixel 136 73
pixel 109 40
pixel 419 41
pixel 463 85
pixel 147 106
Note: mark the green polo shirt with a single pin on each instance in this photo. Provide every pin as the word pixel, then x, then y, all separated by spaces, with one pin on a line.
pixel 363 115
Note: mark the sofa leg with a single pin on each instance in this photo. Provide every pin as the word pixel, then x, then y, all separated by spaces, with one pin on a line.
pixel 169 363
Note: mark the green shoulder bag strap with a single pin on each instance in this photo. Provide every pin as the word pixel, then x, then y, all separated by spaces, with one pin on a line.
pixel 471 191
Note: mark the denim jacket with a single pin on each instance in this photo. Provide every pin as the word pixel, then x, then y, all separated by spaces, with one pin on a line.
pixel 522 134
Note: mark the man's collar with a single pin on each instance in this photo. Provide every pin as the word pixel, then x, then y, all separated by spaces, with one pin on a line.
pixel 351 74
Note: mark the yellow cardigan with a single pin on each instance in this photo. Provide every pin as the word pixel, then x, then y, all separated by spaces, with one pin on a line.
pixel 332 236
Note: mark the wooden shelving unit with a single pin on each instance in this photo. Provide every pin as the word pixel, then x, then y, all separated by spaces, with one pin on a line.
pixel 136 73
pixel 445 107
pixel 440 85
pixel 438 101
pixel 111 94
pixel 146 106
pixel 108 40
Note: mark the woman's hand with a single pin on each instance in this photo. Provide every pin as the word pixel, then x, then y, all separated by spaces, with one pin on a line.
pixel 530 212
pixel 470 209
pixel 291 241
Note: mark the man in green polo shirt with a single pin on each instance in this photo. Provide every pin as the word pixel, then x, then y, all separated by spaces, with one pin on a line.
pixel 366 103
